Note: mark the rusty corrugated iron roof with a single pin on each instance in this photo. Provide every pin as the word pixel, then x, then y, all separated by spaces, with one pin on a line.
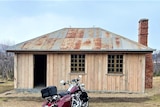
pixel 80 39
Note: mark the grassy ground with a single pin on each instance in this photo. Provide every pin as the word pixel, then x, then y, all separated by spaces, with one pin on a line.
pixel 5 86
pixel 152 100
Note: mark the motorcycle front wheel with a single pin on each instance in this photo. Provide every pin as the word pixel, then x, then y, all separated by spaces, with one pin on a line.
pixel 85 104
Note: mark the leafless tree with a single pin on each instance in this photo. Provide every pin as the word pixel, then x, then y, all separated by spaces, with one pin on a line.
pixel 6 61
pixel 156 60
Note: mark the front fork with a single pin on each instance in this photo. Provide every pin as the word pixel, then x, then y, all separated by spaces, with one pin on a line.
pixel 76 102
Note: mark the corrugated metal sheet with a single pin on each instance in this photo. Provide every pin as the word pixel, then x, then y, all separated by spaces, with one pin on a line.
pixel 80 39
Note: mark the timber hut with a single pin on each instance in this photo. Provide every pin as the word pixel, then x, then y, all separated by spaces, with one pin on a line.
pixel 107 62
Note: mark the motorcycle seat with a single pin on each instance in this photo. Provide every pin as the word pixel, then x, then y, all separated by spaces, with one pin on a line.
pixel 64 93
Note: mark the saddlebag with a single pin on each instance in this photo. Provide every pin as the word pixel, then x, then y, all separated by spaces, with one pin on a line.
pixel 49 91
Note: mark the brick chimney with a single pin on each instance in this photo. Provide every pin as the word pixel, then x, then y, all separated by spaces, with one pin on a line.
pixel 143 39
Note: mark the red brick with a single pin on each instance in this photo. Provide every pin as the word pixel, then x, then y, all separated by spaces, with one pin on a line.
pixel 143 39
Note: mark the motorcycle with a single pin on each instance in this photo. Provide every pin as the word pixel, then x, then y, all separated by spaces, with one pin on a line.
pixel 74 96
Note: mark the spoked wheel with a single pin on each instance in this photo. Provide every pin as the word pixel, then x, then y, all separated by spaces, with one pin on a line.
pixel 85 104
pixel 75 102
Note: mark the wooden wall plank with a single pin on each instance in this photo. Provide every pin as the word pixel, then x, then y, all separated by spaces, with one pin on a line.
pixel 25 73
pixel 51 70
pixel 15 71
pixel 48 70
pixel 95 76
pixel 143 74
pixel 100 73
pixel 49 73
pixel 104 71
pixel 31 71
pixel 20 82
pixel 20 72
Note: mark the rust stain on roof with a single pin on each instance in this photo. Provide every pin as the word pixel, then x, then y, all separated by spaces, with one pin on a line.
pixel 49 43
pixel 98 33
pixel 77 44
pixel 80 33
pixel 70 43
pixel 107 46
pixel 66 43
pixel 71 33
pixel 41 40
pixel 107 34
pixel 26 45
pixel 90 33
pixel 75 33
pixel 87 42
pixel 97 43
pixel 79 39
pixel 117 42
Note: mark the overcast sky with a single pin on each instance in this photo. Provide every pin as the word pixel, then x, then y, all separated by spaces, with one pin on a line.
pixel 21 20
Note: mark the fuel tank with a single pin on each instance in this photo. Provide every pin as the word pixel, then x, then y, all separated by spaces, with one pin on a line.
pixel 64 101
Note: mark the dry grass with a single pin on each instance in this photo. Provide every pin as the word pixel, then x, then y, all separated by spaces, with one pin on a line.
pixel 151 100
pixel 5 86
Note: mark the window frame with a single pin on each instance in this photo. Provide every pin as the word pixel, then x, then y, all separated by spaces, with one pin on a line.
pixel 115 64
pixel 77 63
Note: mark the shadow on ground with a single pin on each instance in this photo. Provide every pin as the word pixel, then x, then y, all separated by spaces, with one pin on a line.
pixel 94 100
pixel 119 99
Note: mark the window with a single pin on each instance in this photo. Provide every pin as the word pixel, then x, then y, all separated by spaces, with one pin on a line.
pixel 115 64
pixel 77 63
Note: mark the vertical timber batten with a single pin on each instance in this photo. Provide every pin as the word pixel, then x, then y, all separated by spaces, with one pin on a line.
pixel 31 72
pixel 15 71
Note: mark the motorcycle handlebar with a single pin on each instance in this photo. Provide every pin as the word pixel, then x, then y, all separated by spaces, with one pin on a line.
pixel 73 80
pixel 70 82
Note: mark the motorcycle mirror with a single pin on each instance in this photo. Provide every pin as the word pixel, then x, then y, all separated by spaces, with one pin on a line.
pixel 82 85
pixel 62 82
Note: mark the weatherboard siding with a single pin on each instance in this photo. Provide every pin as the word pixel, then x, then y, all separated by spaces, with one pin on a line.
pixel 135 68
pixel 15 71
pixel 23 66
pixel 58 68
pixel 95 77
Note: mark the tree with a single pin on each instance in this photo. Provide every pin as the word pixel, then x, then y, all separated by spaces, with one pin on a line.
pixel 156 60
pixel 6 62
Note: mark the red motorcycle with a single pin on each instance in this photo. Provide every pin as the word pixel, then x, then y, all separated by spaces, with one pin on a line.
pixel 74 96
